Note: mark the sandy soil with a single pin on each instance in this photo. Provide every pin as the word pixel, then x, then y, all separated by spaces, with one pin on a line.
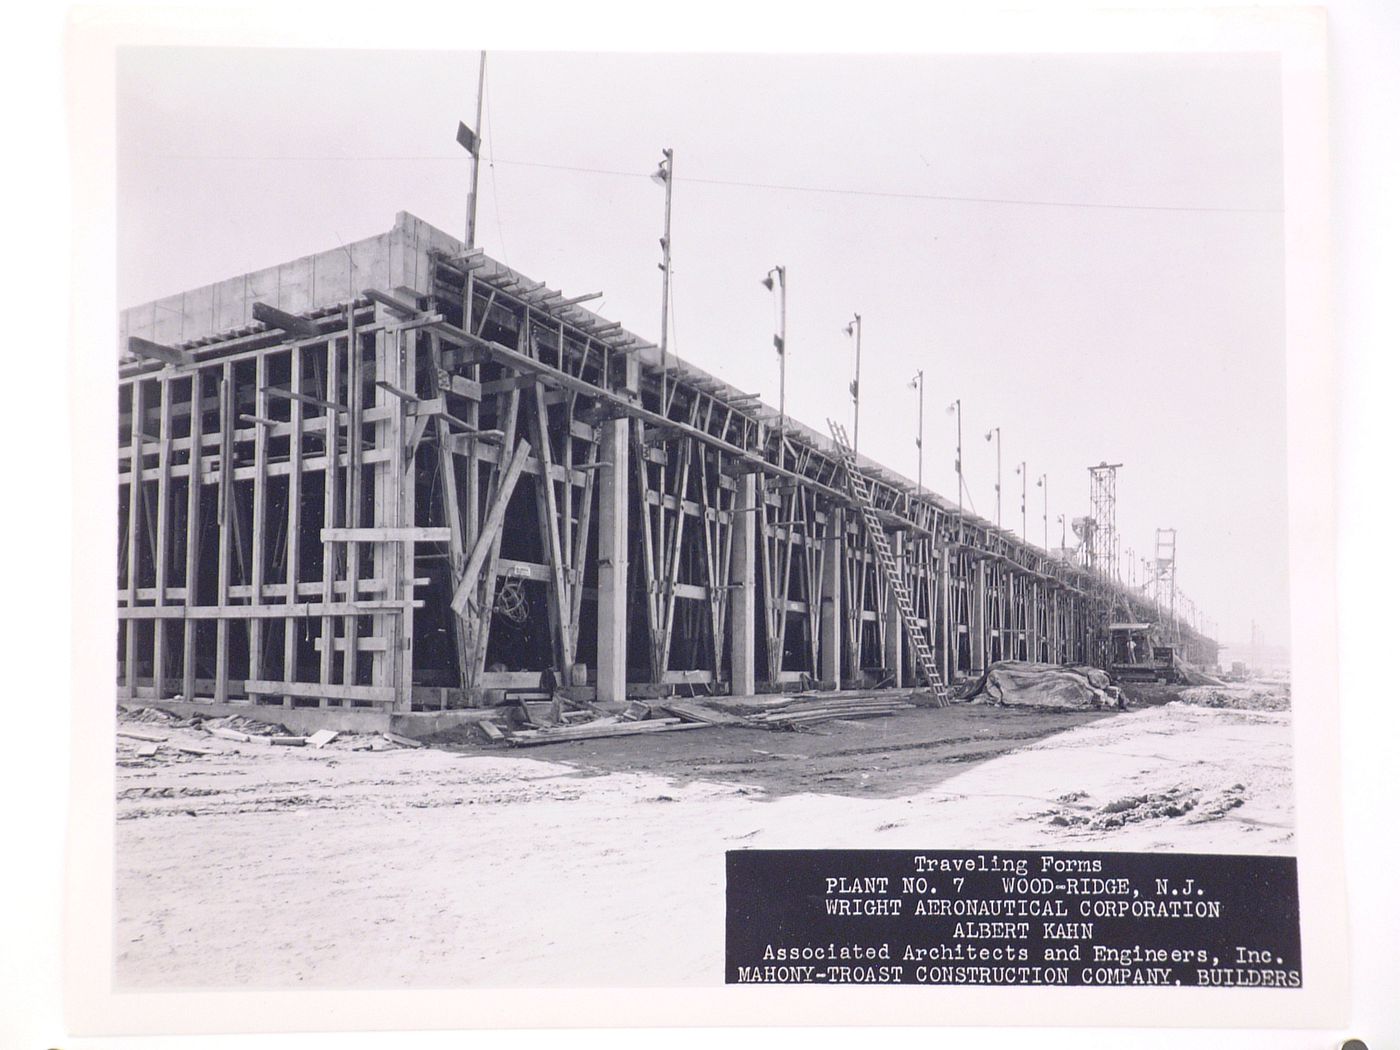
pixel 602 862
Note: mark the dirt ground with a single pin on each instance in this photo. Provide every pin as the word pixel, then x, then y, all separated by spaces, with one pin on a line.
pixel 602 861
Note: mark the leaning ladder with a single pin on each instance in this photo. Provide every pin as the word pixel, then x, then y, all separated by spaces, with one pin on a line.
pixel 894 578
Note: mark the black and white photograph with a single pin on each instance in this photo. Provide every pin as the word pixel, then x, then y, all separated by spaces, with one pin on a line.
pixel 670 521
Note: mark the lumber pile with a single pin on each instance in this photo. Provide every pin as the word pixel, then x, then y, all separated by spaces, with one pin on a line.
pixel 802 712
pixel 597 729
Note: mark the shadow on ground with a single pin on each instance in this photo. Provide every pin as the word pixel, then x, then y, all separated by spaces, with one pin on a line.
pixel 898 755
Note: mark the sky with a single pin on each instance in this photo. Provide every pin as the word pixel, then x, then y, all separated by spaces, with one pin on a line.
pixel 1087 251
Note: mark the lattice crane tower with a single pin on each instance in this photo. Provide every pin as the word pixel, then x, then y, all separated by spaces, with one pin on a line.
pixel 1103 539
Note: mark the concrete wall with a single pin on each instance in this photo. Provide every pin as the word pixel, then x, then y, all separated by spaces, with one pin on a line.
pixel 398 258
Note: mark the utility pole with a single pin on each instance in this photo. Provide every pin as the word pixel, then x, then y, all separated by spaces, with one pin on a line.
pixel 662 176
pixel 997 432
pixel 470 140
pixel 917 383
pixel 956 407
pixel 777 279
pixel 853 328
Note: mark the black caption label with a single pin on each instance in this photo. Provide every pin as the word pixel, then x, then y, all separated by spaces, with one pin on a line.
pixel 1011 918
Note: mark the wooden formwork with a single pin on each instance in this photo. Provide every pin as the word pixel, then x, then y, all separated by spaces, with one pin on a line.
pixel 418 492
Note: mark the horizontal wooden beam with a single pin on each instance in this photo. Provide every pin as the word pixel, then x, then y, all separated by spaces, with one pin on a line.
pixel 264 612
pixel 380 694
pixel 391 302
pixel 156 351
pixel 387 534
pixel 289 323
pixel 306 399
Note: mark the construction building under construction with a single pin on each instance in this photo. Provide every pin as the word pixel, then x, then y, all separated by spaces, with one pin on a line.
pixel 398 475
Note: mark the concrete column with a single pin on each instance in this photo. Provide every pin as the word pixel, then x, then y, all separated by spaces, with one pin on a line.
pixel 612 562
pixel 894 623
pixel 831 611
pixel 742 625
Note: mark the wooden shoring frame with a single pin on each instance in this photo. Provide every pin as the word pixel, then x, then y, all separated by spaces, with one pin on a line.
pixel 254 564
pixel 718 494
pixel 662 468
pixel 792 520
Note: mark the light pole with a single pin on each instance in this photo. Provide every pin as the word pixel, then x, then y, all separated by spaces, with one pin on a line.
pixel 662 176
pixel 956 408
pixel 997 432
pixel 853 328
pixel 777 278
pixel 1061 519
pixel 1021 470
pixel 917 383
pixel 1043 483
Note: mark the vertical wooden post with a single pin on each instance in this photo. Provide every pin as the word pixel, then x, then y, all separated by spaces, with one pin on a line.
pixel 612 561
pixel 742 626
pixel 194 526
pixel 329 550
pixel 227 408
pixel 945 594
pixel 977 629
pixel 833 553
pixel 133 531
pixel 405 372
pixel 293 547
pixel 255 623
pixel 893 658
pixel 162 529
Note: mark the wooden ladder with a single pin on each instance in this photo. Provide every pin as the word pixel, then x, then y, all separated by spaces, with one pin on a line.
pixel 889 568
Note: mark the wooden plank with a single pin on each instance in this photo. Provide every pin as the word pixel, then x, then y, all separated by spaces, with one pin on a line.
pixel 354 480
pixel 259 538
pixel 539 737
pixel 452 504
pixel 490 528
pixel 305 399
pixel 193 527
pixel 561 601
pixel 157 352
pixel 329 551
pixel 132 734
pixel 376 694
pixel 503 386
pixel 292 551
pixel 391 302
pixel 368 644
pixel 227 405
pixel 403 369
pixel 163 527
pixel 133 527
pixel 388 534
pixel 290 323
pixel 223 613
pixel 696 713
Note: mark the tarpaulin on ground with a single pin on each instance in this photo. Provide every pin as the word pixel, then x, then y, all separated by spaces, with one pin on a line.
pixel 1017 683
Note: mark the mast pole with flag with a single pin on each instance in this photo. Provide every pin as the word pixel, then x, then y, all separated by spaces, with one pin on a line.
pixel 470 140
pixel 662 175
